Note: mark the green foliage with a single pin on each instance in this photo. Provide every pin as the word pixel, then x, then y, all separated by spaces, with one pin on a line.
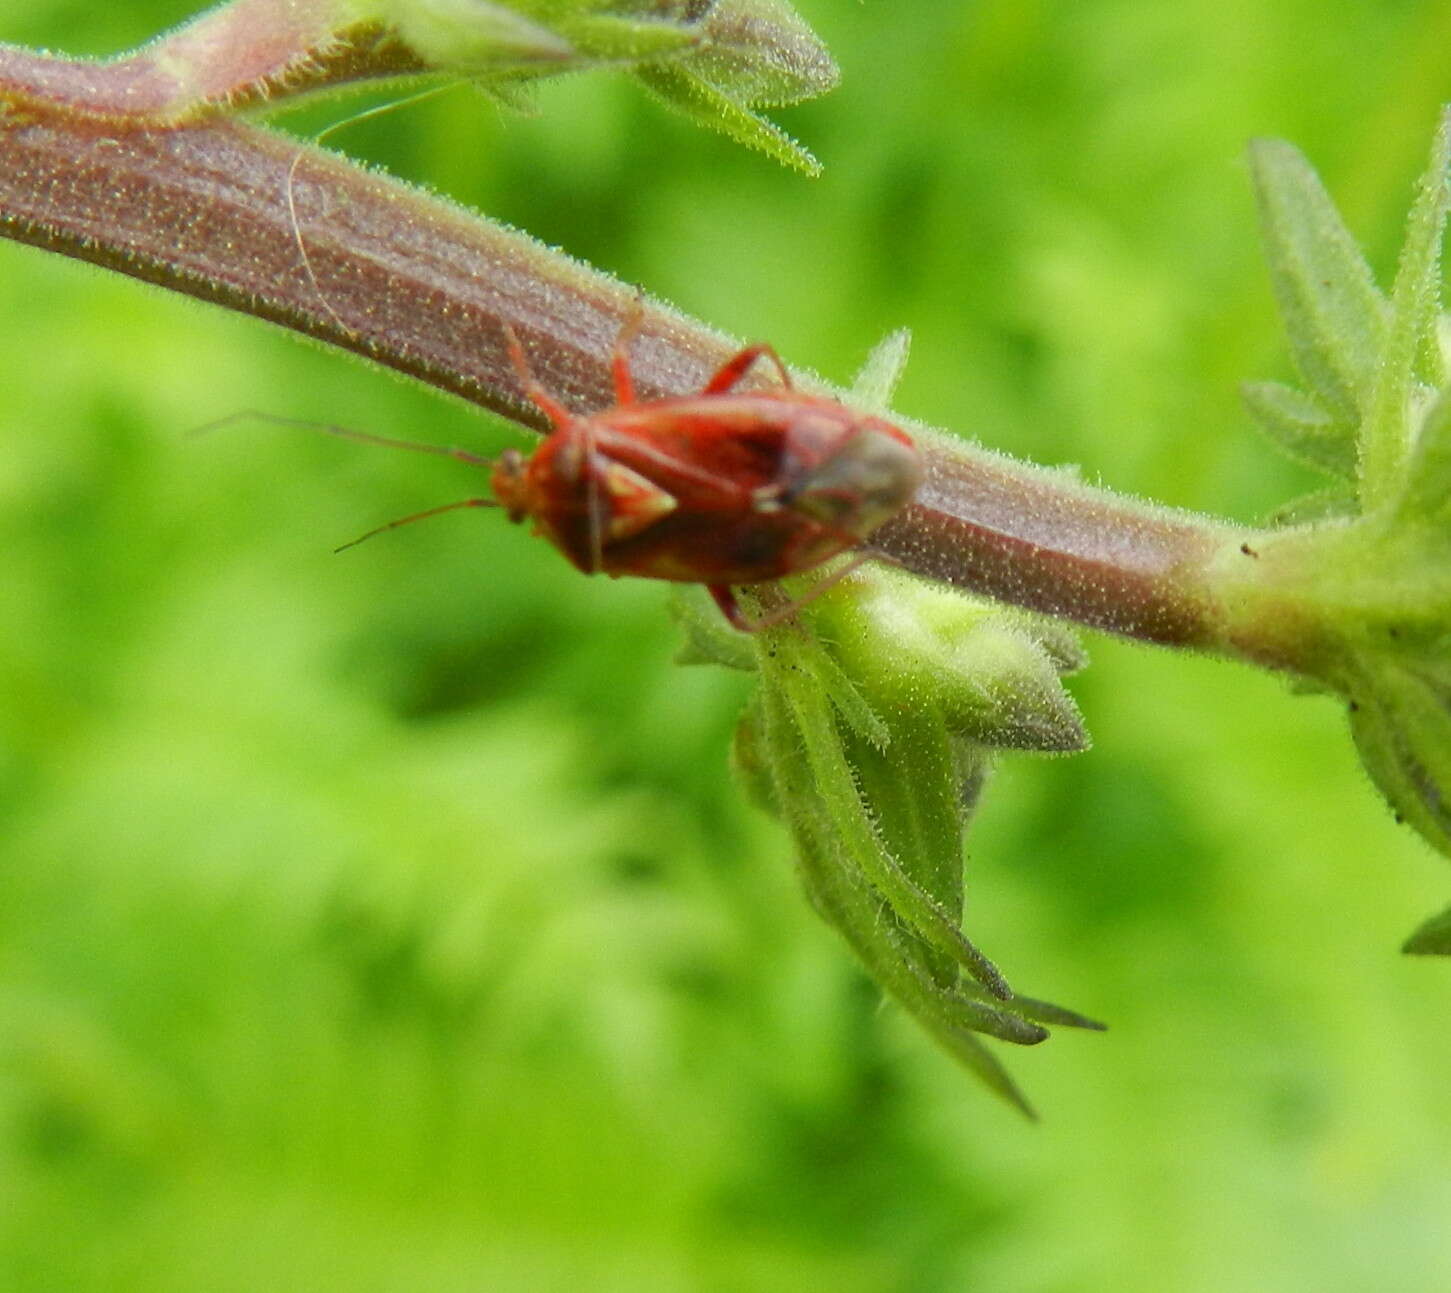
pixel 384 922
pixel 1335 316
pixel 1370 364
pixel 1375 583
pixel 1433 938
pixel 871 737
pixel 718 65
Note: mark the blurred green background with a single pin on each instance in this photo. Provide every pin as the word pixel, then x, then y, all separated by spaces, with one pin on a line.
pixel 389 921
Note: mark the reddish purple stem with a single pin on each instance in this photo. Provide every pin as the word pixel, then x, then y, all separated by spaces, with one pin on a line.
pixel 421 286
pixel 242 53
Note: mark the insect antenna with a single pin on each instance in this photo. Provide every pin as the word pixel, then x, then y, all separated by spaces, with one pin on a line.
pixel 383 442
pixel 344 433
pixel 417 516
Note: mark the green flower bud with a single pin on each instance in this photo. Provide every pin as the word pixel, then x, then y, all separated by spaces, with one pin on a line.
pixel 717 64
pixel 992 674
pixel 882 705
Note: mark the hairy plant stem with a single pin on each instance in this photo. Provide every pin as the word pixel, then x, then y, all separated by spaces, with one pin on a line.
pixel 234 214
pixel 243 53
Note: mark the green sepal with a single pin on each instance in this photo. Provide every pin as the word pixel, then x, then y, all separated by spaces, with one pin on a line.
pixel 685 90
pixel 1302 427
pixel 753 54
pixel 862 741
pixel 1401 720
pixel 826 818
pixel 484 39
pixel 763 55
pixel 708 638
pixel 874 385
pixel 1056 639
pixel 748 760
pixel 846 697
pixel 609 38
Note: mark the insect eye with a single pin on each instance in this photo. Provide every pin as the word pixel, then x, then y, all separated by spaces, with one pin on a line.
pixel 508 484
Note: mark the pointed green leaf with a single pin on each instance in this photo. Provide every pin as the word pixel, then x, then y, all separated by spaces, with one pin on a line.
pixel 1335 316
pixel 826 844
pixel 1412 337
pixel 1058 640
pixel 875 384
pixel 708 638
pixel 1431 367
pixel 1302 428
pixel 750 761
pixel 1020 703
pixel 869 853
pixel 856 741
pixel 1336 503
pixel 1045 1012
pixel 846 696
pixel 752 54
pixel 1433 938
pixel 685 91
pixel 1427 491
pixel 1401 720
pixel 715 63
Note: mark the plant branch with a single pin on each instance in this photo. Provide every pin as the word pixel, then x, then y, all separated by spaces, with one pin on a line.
pixel 240 54
pixel 416 284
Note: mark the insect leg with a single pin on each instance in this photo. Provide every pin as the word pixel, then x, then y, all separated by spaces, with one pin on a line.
pixel 723 597
pixel 726 600
pixel 620 359
pixel 593 500
pixel 730 373
pixel 551 408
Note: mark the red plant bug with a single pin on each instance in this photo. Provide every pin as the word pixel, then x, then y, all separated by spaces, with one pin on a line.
pixel 720 488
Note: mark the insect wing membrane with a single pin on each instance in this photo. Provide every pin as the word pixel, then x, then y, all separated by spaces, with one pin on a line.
pixel 869 475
